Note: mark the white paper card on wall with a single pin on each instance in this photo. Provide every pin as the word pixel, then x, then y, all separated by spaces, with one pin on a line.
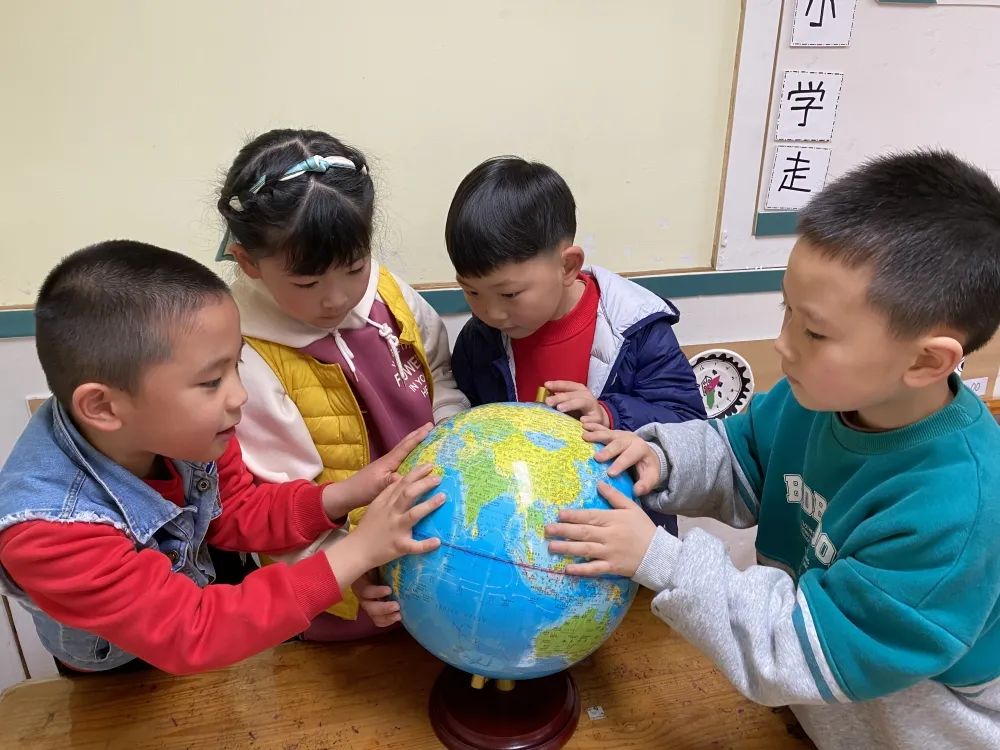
pixel 978 386
pixel 798 173
pixel 823 23
pixel 808 109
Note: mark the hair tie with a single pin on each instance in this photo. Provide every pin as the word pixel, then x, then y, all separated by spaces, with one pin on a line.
pixel 319 164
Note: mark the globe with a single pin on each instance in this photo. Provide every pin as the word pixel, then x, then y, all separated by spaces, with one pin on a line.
pixel 492 600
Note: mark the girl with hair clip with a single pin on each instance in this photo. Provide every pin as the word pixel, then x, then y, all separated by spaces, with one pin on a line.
pixel 342 358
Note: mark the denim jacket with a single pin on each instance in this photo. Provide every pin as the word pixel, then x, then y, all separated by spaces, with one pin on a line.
pixel 54 474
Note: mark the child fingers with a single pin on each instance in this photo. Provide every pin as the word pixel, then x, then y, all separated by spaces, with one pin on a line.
pixel 648 477
pixel 574 402
pixel 384 621
pixel 408 443
pixel 415 483
pixel 420 546
pixel 380 609
pixel 589 569
pixel 579 525
pixel 564 386
pixel 372 592
pixel 609 451
pixel 412 486
pixel 614 497
pixel 623 462
pixel 601 435
pixel 417 435
pixel 560 398
pixel 585 550
pixel 417 473
pixel 642 486
pixel 421 510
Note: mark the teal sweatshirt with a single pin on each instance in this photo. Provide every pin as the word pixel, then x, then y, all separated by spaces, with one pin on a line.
pixel 875 609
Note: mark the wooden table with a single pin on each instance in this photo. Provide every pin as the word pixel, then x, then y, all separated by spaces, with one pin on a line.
pixel 656 691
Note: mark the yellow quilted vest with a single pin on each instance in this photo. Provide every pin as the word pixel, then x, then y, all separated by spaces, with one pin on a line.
pixel 329 409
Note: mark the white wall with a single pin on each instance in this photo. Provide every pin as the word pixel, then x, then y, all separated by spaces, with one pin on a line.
pixel 128 111
pixel 20 377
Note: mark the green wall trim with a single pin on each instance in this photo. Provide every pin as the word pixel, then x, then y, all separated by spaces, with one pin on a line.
pixel 20 323
pixel 17 323
pixel 778 224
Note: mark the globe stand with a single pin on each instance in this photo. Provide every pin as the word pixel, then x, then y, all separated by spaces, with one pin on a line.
pixel 539 714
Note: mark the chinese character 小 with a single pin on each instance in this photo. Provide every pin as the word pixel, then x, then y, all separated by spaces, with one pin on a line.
pixel 822 11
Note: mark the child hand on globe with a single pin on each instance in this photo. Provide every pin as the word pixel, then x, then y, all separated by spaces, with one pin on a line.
pixel 628 450
pixel 339 498
pixel 576 400
pixel 374 601
pixel 613 542
pixel 386 531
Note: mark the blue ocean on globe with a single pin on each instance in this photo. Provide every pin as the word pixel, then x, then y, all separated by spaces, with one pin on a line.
pixel 492 600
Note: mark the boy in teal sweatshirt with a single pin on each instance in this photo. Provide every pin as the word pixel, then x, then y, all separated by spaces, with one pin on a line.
pixel 871 473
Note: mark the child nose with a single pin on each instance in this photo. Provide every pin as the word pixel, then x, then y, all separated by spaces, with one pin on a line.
pixel 237 396
pixel 781 345
pixel 333 302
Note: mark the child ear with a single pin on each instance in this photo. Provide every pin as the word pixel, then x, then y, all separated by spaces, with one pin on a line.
pixel 937 358
pixel 97 406
pixel 572 262
pixel 247 264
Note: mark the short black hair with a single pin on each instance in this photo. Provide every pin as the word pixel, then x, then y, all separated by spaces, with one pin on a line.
pixel 315 220
pixel 107 312
pixel 507 210
pixel 928 225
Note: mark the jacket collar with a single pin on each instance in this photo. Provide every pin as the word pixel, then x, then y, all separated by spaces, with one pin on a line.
pixel 146 511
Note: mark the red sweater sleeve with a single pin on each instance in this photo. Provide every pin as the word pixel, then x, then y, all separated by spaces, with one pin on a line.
pixel 90 576
pixel 265 517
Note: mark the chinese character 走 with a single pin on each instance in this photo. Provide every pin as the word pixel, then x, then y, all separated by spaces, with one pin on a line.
pixel 795 172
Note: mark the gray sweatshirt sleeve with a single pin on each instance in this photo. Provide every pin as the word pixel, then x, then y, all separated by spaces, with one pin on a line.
pixel 699 475
pixel 744 621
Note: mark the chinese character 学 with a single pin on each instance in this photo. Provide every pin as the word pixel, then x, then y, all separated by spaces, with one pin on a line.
pixel 807 99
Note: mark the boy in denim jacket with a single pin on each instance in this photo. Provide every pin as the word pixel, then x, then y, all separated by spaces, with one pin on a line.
pixel 122 479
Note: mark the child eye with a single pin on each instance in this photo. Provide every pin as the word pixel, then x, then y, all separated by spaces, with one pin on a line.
pixel 355 271
pixel 306 285
pixel 470 293
pixel 211 384
pixel 815 336
pixel 510 295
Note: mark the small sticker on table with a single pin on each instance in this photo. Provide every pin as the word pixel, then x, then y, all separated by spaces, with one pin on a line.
pixel 596 713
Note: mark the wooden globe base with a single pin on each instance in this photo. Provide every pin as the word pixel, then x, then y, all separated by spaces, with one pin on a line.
pixel 537 714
